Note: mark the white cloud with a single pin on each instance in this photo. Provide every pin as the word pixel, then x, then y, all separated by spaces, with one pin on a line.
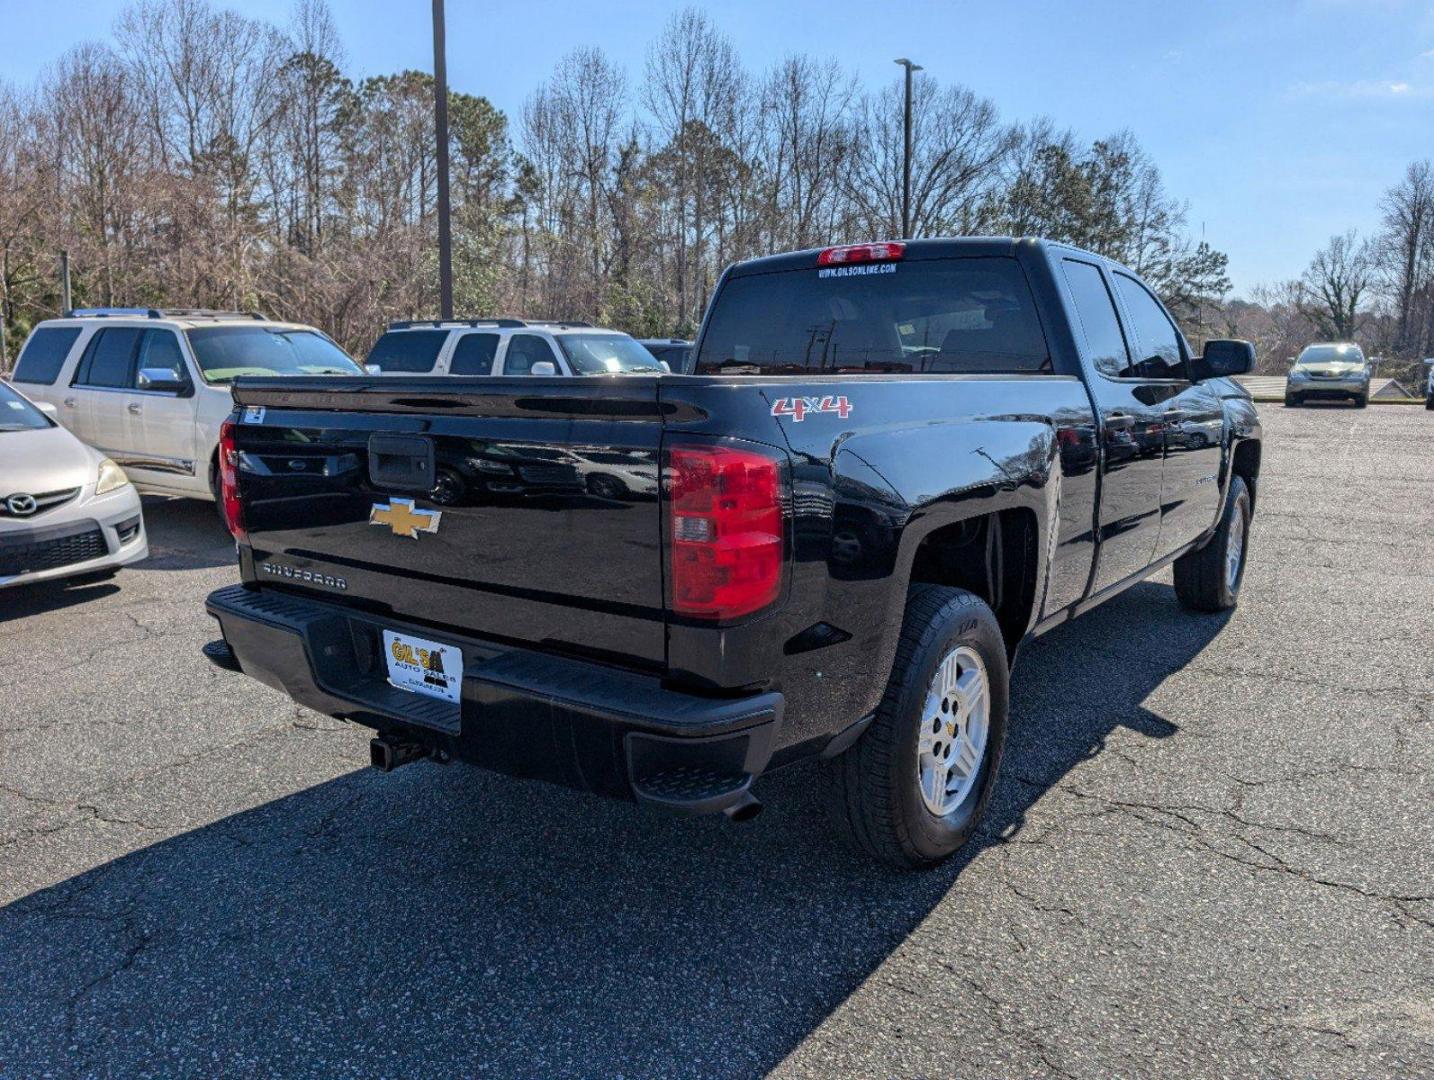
pixel 1361 90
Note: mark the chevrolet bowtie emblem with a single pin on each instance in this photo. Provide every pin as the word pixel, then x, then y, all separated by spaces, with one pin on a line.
pixel 400 516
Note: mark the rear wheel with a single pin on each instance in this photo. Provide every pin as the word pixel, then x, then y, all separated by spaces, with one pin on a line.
pixel 914 787
pixel 1209 578
pixel 1361 401
pixel 1292 401
pixel 218 495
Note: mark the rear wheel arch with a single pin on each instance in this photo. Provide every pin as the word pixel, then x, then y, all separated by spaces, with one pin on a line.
pixel 995 556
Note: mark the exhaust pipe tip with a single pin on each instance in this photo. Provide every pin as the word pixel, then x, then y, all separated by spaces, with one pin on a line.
pixel 745 808
pixel 385 755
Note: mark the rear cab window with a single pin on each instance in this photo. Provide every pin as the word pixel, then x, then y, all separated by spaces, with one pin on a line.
pixel 44 354
pixel 414 352
pixel 924 317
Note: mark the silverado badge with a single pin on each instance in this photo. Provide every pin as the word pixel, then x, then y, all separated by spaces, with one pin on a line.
pixel 400 516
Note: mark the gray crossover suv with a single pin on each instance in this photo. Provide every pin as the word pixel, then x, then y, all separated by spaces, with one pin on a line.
pixel 1332 370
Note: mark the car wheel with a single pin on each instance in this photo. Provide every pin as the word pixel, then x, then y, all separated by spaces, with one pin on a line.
pixel 606 487
pixel 1291 401
pixel 1198 441
pixel 449 488
pixel 1209 578
pixel 218 498
pixel 1361 401
pixel 1429 403
pixel 914 787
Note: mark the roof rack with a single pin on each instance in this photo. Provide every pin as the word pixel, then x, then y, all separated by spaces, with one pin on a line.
pixel 160 313
pixel 415 324
pixel 501 322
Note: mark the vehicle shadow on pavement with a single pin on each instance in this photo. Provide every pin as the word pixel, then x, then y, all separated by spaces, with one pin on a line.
pixel 42 597
pixel 448 922
pixel 184 534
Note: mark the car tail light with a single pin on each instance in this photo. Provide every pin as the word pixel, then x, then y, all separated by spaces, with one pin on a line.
pixel 861 253
pixel 229 483
pixel 726 531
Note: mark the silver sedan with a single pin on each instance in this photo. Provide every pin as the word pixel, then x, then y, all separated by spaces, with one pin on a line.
pixel 65 510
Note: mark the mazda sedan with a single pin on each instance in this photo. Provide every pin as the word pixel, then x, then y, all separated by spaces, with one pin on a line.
pixel 65 510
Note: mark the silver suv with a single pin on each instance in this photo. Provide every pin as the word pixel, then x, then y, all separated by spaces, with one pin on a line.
pixel 488 347
pixel 1329 370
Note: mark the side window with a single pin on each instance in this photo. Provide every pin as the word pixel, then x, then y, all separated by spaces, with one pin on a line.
pixel 44 354
pixel 525 350
pixel 109 358
pixel 1096 310
pixel 1157 343
pixel 473 355
pixel 159 349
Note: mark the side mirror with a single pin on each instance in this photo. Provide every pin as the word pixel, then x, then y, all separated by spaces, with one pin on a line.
pixel 47 407
pixel 665 366
pixel 543 367
pixel 162 381
pixel 372 369
pixel 1224 358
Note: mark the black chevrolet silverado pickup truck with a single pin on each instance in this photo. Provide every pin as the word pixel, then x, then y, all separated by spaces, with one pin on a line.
pixel 885 468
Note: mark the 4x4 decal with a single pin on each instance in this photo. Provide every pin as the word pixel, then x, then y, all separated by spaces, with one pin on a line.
pixel 797 408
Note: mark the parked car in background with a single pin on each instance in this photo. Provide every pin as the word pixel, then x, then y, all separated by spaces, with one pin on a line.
pixel 1429 384
pixel 507 347
pixel 65 510
pixel 674 352
pixel 1329 370
pixel 150 388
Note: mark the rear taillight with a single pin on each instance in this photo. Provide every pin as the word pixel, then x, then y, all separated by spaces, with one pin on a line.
pixel 726 531
pixel 861 253
pixel 229 483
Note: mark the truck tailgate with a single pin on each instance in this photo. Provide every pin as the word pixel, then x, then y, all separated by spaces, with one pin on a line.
pixel 541 524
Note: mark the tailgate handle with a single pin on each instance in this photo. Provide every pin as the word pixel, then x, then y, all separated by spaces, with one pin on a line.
pixel 402 462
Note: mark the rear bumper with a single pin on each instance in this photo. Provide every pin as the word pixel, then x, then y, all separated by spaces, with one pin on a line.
pixel 522 713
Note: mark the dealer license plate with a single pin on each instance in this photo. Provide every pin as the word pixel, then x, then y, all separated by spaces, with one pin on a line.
pixel 424 667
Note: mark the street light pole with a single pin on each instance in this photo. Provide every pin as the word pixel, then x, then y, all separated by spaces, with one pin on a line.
pixel 440 118
pixel 906 153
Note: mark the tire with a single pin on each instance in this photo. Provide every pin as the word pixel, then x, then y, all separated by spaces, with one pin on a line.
pixel 1204 578
pixel 1292 401
pixel 1429 403
pixel 603 486
pixel 874 791
pixel 1361 401
pixel 218 498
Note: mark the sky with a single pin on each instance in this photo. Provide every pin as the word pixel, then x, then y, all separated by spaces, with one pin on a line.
pixel 1279 122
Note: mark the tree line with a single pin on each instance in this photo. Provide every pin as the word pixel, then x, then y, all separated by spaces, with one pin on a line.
pixel 204 158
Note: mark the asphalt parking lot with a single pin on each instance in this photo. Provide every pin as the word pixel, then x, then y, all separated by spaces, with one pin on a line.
pixel 1211 852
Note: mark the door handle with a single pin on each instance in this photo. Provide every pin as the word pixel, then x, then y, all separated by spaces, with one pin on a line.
pixel 1120 421
pixel 69 403
pixel 1176 414
pixel 135 408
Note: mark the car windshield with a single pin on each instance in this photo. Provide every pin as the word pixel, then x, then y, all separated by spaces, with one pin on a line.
pixel 17 414
pixel 226 352
pixel 606 354
pixel 1331 354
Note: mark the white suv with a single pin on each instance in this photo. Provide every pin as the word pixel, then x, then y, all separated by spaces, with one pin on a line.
pixel 521 347
pixel 150 388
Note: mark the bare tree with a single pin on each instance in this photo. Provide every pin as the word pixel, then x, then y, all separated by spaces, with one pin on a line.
pixel 1337 280
pixel 1406 246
